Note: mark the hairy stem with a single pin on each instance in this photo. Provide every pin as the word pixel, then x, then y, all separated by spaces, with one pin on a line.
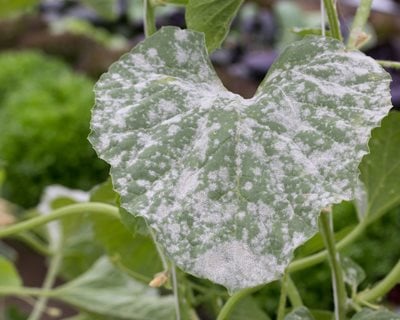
pixel 149 18
pixel 359 22
pixel 293 293
pixel 282 298
pixel 383 287
pixel 339 290
pixel 233 300
pixel 54 267
pixel 80 208
pixel 333 19
pixel 389 64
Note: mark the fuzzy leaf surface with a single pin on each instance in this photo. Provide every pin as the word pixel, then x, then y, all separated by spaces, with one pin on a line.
pixel 232 186
pixel 382 314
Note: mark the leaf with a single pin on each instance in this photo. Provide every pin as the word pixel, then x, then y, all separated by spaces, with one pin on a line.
pixel 213 17
pixel 380 169
pixel 10 7
pixel 133 251
pixel 105 8
pixel 248 308
pixel 75 232
pixel 382 314
pixel 8 274
pixel 106 291
pixel 301 313
pixel 352 272
pixel 126 241
pixel 230 185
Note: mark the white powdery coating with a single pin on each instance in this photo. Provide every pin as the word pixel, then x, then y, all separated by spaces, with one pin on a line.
pixel 233 186
pixel 235 263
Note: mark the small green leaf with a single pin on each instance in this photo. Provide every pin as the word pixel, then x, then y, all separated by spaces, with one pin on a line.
pixel 105 8
pixel 382 314
pixel 133 251
pixel 213 17
pixel 352 272
pixel 127 241
pixel 301 313
pixel 248 308
pixel 380 169
pixel 105 193
pixel 8 274
pixel 10 7
pixel 106 291
pixel 230 185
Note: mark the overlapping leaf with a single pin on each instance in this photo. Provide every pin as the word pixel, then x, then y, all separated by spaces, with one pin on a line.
pixel 233 186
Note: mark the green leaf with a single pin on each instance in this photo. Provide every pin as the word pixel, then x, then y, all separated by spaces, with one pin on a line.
pixel 248 308
pixel 230 185
pixel 75 232
pixel 106 291
pixel 301 313
pixel 8 274
pixel 213 17
pixel 352 272
pixel 382 314
pixel 133 251
pixel 105 193
pixel 380 169
pixel 127 241
pixel 105 8
pixel 9 7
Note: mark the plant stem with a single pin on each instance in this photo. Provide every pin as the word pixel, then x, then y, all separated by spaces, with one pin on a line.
pixel 333 19
pixel 383 287
pixel 33 242
pixel 175 291
pixel 80 208
pixel 359 22
pixel 339 290
pixel 54 267
pixel 149 18
pixel 389 64
pixel 282 298
pixel 293 293
pixel 25 292
pixel 233 300
pixel 319 257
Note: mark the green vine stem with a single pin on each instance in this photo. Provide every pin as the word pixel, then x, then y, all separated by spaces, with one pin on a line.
pixel 339 289
pixel 233 300
pixel 389 64
pixel 333 19
pixel 32 241
pixel 80 208
pixel 319 257
pixel 54 267
pixel 383 287
pixel 359 22
pixel 293 293
pixel 25 292
pixel 282 297
pixel 149 18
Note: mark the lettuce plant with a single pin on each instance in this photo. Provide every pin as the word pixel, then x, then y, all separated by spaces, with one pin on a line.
pixel 224 189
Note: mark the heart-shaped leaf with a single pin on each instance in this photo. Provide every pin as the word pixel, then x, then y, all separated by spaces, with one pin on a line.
pixel 233 186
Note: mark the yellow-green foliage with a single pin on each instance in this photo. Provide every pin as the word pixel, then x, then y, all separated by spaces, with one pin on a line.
pixel 44 121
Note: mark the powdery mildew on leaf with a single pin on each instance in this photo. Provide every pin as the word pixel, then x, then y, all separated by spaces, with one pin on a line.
pixel 233 186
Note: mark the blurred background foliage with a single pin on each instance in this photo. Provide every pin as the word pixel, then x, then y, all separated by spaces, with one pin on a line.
pixel 53 51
